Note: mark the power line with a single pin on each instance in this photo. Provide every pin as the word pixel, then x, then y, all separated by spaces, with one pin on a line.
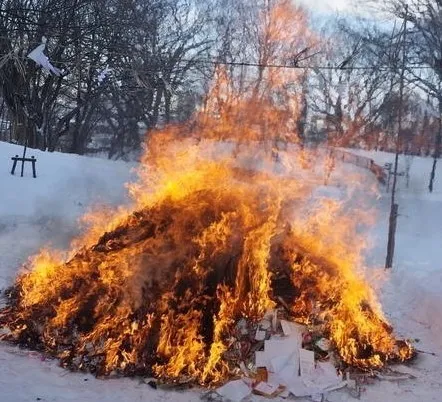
pixel 300 67
pixel 297 65
pixel 215 62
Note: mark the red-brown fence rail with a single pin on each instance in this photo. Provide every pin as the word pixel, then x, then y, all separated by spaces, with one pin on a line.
pixel 361 161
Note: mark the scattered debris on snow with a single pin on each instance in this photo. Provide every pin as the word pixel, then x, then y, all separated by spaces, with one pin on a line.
pixel 285 359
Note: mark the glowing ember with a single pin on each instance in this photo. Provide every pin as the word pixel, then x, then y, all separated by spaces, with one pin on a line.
pixel 214 235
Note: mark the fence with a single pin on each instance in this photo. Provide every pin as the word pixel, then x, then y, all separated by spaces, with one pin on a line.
pixel 361 161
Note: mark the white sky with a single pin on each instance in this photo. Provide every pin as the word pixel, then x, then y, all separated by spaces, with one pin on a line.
pixel 327 5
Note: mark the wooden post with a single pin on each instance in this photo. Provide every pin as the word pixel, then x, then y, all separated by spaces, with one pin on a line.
pixel 34 173
pixel 14 164
pixel 437 144
pixel 391 236
pixel 388 166
pixel 24 155
pixel 395 207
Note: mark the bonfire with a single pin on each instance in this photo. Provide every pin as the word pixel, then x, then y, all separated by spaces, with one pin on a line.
pixel 222 228
pixel 158 290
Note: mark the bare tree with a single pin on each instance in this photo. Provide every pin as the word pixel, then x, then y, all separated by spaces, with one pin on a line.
pixel 148 49
pixel 353 92
pixel 424 18
pixel 31 93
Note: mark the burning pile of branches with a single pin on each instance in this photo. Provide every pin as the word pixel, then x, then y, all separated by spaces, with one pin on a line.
pixel 161 292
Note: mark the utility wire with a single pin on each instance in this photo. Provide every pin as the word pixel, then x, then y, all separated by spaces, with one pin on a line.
pixel 300 67
pixel 215 62
pixel 296 65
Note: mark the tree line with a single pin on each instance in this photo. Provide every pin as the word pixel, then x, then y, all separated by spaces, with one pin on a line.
pixel 129 66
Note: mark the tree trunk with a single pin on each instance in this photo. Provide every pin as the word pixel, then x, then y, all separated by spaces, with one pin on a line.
pixel 23 129
pixel 391 235
pixel 437 145
pixel 395 207
pixel 167 104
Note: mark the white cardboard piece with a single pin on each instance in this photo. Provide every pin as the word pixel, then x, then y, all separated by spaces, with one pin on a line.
pixel 261 359
pixel 323 376
pixel 293 330
pixel 260 335
pixel 277 353
pixel 306 362
pixel 299 389
pixel 275 321
pixel 314 380
pixel 278 363
pixel 266 388
pixel 235 391
pixel 265 324
pixel 281 346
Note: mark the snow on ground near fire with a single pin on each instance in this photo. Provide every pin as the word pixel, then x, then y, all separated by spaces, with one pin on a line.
pixel 34 212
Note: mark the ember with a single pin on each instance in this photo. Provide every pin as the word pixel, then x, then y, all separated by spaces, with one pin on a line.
pixel 174 286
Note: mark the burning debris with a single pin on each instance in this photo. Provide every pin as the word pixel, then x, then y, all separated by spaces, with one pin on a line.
pixel 296 360
pixel 174 288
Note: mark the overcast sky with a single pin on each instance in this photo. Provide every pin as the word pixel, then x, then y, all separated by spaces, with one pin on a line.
pixel 327 5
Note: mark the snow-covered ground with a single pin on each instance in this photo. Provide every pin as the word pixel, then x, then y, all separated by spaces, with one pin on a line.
pixel 34 212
